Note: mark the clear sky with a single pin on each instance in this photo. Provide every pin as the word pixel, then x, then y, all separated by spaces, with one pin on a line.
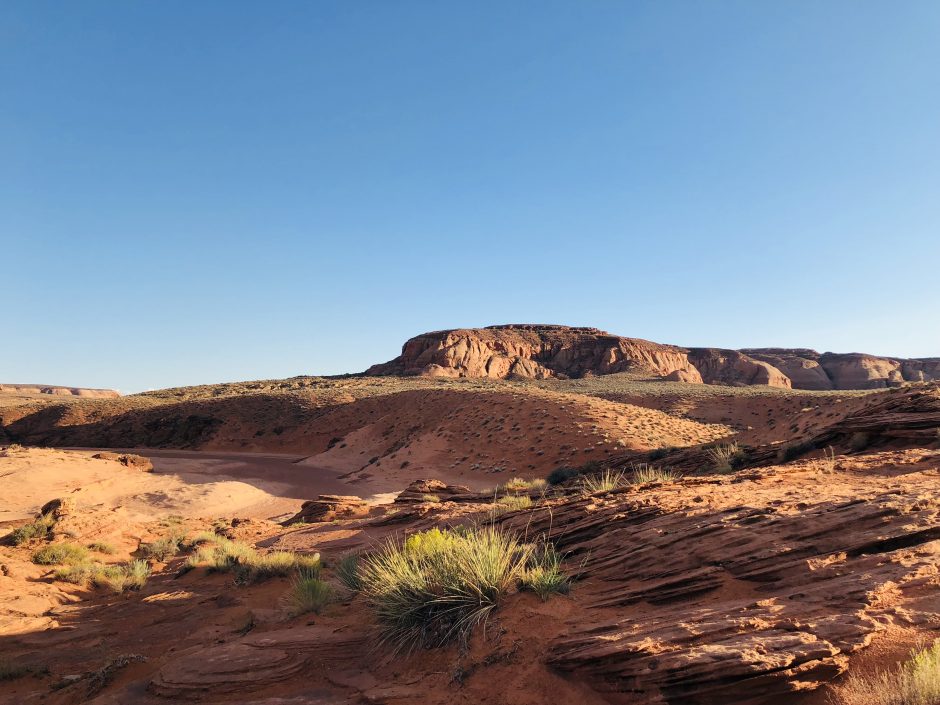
pixel 194 192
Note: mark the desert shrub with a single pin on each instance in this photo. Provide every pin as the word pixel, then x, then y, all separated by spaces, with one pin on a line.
pixel 307 593
pixel 162 548
pixel 248 565
pixel 102 547
pixel 519 484
pixel 58 553
pixel 914 682
pixel 643 473
pixel 562 474
pixel 543 574
pixel 437 585
pixel 39 528
pixel 725 457
pixel 513 503
pixel 119 578
pixel 432 498
pixel 347 570
pixel 603 482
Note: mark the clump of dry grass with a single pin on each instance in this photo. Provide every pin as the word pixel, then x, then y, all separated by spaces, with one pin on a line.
pixel 437 585
pixel 725 456
pixel 914 682
pixel 519 484
pixel 117 578
pixel 643 473
pixel 605 481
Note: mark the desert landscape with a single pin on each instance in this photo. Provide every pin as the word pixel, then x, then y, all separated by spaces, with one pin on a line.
pixel 517 514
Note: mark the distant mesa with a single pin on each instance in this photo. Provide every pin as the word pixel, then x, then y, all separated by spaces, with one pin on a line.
pixel 534 351
pixel 59 391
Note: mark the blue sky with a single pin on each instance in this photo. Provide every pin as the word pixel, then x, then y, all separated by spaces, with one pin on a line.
pixel 202 192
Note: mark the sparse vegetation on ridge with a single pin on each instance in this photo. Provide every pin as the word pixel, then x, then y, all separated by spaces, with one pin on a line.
pixel 39 528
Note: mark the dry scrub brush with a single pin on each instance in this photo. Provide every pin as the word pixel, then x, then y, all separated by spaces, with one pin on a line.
pixel 437 585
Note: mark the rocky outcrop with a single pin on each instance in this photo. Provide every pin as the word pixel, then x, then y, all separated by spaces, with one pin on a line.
pixel 549 351
pixel 740 590
pixel 128 460
pixel 422 490
pixel 328 507
pixel 59 391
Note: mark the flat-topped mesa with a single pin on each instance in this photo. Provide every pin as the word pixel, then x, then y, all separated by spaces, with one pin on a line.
pixel 543 351
pixel 59 391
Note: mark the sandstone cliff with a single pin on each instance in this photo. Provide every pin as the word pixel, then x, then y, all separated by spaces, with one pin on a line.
pixel 551 351
pixel 59 391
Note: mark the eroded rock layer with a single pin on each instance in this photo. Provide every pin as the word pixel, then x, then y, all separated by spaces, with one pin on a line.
pixel 550 351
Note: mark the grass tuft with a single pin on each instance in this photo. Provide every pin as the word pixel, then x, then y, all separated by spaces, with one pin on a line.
pixel 605 481
pixel 544 575
pixel 643 473
pixel 60 553
pixel 347 570
pixel 725 457
pixel 163 548
pixel 307 593
pixel 437 585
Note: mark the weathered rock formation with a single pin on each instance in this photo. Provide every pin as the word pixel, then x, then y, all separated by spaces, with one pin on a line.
pixel 328 507
pixel 128 460
pixel 59 391
pixel 550 351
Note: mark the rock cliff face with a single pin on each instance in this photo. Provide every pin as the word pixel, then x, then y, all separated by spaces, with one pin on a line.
pixel 550 351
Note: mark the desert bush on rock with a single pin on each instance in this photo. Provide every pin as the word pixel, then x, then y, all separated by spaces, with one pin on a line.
pixel 543 574
pixel 512 503
pixel 247 563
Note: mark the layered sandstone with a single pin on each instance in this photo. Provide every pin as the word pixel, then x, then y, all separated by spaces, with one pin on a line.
pixel 550 351
pixel 59 391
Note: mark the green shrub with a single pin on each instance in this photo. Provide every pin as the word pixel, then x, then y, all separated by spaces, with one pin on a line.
pixel 437 585
pixel 39 528
pixel 307 593
pixel 118 578
pixel 914 682
pixel 543 574
pixel 347 570
pixel 162 548
pixel 58 553
pixel 431 498
pixel 603 482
